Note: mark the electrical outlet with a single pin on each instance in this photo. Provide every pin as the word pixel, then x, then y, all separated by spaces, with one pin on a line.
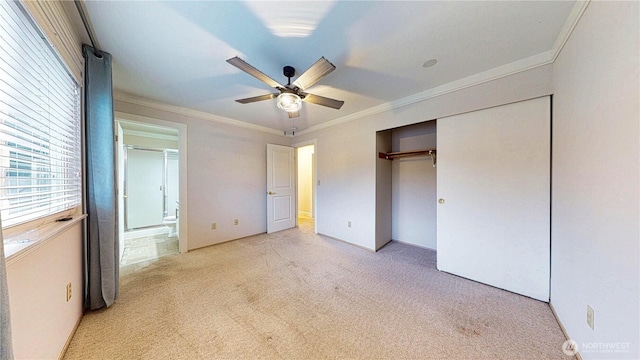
pixel 348 224
pixel 236 222
pixel 214 226
pixel 590 317
pixel 68 292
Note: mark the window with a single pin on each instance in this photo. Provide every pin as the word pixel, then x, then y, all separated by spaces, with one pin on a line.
pixel 40 155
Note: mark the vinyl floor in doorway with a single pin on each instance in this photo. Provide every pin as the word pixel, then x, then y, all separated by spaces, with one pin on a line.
pixel 146 248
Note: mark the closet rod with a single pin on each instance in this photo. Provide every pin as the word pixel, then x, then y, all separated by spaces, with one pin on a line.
pixel 393 155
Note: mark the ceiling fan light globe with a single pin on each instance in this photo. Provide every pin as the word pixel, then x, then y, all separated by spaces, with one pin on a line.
pixel 289 102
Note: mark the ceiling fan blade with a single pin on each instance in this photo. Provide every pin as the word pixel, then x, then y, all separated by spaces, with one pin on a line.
pixel 321 100
pixel 244 66
pixel 293 114
pixel 257 98
pixel 316 72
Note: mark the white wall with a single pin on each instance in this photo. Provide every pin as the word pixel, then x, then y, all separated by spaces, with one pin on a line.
pixel 41 318
pixel 346 153
pixel 414 186
pixel 346 157
pixel 226 175
pixel 305 180
pixel 595 186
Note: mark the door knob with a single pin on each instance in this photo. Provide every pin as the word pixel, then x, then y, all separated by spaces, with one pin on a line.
pixel 441 201
pixel 271 193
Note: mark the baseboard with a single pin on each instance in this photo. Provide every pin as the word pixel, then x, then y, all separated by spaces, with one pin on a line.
pixel 70 337
pixel 226 241
pixel 346 242
pixel 383 245
pixel 564 331
pixel 416 245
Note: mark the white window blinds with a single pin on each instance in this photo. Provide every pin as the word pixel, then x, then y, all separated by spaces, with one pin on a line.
pixel 39 124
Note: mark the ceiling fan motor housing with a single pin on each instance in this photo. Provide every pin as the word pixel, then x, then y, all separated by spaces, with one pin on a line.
pixel 288 71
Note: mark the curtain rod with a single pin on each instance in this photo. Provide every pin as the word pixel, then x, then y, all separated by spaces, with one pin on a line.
pixel 87 28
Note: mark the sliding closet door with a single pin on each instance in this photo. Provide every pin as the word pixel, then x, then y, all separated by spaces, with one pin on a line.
pixel 494 196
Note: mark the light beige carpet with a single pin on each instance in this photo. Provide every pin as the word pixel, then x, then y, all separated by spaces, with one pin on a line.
pixel 296 295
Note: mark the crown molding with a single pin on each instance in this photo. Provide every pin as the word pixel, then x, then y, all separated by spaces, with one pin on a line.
pixel 473 80
pixel 532 62
pixel 132 99
pixel 572 21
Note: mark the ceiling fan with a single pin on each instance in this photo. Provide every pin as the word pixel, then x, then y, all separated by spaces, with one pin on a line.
pixel 291 95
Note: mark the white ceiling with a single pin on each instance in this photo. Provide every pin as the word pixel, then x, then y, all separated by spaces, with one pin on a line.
pixel 175 52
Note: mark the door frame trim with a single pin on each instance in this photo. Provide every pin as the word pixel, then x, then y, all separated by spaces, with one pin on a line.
pixel 313 142
pixel 183 236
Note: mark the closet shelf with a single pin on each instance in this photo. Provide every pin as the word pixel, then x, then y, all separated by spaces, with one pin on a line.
pixel 393 155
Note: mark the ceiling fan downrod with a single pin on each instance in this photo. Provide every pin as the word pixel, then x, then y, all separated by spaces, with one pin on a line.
pixel 289 72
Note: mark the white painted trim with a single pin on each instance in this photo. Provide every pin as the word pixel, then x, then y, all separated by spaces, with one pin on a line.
pixel 305 143
pixel 14 251
pixel 569 26
pixel 564 330
pixel 499 72
pixel 515 67
pixel 70 337
pixel 56 26
pixel 412 244
pixel 473 80
pixel 120 96
pixel 183 236
pixel 150 135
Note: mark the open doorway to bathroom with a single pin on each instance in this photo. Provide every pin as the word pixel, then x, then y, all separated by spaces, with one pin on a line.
pixel 148 162
pixel 306 187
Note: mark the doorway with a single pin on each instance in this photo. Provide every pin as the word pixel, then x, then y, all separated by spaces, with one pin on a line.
pixel 306 189
pixel 149 192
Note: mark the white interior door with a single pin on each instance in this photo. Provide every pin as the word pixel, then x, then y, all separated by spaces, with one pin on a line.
pixel 281 192
pixel 144 188
pixel 494 196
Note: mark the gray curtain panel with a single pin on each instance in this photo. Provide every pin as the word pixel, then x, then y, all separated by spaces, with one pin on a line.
pixel 6 346
pixel 102 231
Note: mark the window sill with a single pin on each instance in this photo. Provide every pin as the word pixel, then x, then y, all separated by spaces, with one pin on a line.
pixel 19 245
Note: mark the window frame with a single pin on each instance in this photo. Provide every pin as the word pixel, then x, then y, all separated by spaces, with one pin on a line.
pixel 54 56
